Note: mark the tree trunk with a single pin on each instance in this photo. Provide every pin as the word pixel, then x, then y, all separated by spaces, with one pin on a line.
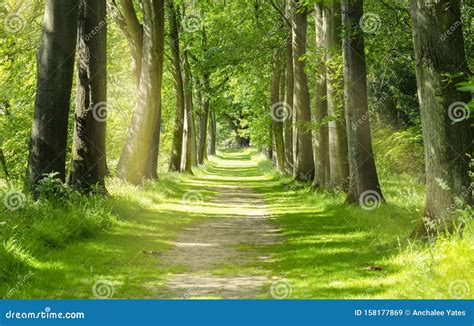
pixel 304 165
pixel 88 159
pixel 3 162
pixel 203 121
pixel 190 148
pixel 177 147
pixel 211 150
pixel 290 80
pixel 321 147
pixel 444 113
pixel 53 91
pixel 277 123
pixel 138 155
pixel 339 166
pixel 364 184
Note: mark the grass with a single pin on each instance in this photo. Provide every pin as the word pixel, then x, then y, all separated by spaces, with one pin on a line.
pixel 68 249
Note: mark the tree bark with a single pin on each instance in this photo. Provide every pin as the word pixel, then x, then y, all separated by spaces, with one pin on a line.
pixel 177 146
pixel 363 174
pixel 290 80
pixel 211 148
pixel 88 159
pixel 304 165
pixel 277 124
pixel 321 147
pixel 204 116
pixel 138 156
pixel 53 91
pixel 446 133
pixel 190 148
pixel 339 165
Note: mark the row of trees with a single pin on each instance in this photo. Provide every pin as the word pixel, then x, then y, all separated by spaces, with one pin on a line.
pixel 338 151
pixel 78 29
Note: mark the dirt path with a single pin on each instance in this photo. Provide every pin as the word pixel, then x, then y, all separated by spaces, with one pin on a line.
pixel 215 243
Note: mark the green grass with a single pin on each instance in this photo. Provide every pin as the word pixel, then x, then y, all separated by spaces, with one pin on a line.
pixel 61 249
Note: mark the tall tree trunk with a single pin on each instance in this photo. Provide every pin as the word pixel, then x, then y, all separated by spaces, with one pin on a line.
pixel 339 165
pixel 277 123
pixel 138 158
pixel 53 91
pixel 88 159
pixel 304 165
pixel 364 184
pixel 177 146
pixel 321 148
pixel 211 148
pixel 290 80
pixel 203 121
pixel 444 113
pixel 190 148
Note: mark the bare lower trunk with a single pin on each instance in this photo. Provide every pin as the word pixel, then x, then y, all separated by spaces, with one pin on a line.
pixel 277 123
pixel 290 80
pixel 339 166
pixel 364 183
pixel 53 91
pixel 321 148
pixel 190 150
pixel 444 113
pixel 211 148
pixel 135 162
pixel 88 159
pixel 304 161
pixel 177 146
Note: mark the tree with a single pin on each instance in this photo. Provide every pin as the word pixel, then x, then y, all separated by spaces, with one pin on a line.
pixel 304 161
pixel 441 64
pixel 364 184
pixel 205 104
pixel 339 166
pixel 277 124
pixel 53 91
pixel 191 151
pixel 177 147
pixel 88 162
pixel 139 156
pixel 321 148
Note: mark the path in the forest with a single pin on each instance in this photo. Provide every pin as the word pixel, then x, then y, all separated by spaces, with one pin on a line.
pixel 205 249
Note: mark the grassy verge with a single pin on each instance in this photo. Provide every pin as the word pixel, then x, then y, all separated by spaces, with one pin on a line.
pixel 87 247
pixel 334 250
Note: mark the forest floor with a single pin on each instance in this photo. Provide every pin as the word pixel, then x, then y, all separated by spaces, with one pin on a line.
pixel 235 229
